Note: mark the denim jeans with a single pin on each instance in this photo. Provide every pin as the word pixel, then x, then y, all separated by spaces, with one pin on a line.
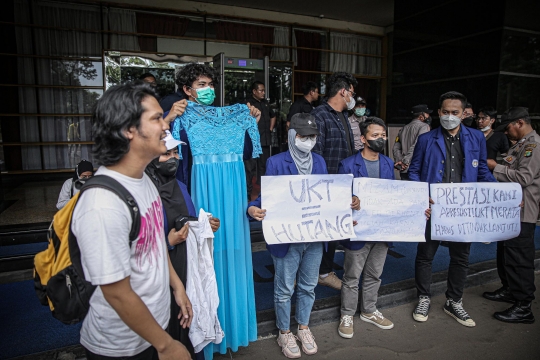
pixel 301 263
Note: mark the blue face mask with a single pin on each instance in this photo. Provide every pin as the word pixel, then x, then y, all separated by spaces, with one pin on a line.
pixel 205 95
pixel 359 111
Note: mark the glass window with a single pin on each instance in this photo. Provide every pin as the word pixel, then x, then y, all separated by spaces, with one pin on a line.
pixel 67 101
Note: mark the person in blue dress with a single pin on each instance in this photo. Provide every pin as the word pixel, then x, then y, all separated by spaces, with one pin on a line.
pixel 218 185
pixel 299 261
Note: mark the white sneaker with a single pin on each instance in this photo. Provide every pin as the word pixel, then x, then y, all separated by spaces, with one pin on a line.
pixel 308 341
pixel 288 345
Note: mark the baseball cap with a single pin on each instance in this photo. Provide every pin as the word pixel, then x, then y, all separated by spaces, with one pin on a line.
pixel 304 124
pixel 512 115
pixel 360 100
pixel 171 142
pixel 422 108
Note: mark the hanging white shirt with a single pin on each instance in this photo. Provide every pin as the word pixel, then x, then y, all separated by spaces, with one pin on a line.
pixel 201 285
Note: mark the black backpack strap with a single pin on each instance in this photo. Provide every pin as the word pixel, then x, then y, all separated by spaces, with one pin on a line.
pixel 107 182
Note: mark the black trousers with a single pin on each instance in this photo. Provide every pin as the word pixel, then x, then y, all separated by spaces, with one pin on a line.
pixel 515 263
pixel 327 260
pixel 457 271
pixel 261 163
pixel 148 354
pixel 250 166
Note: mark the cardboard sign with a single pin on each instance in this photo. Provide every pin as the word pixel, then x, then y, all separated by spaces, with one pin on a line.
pixel 306 208
pixel 475 212
pixel 390 210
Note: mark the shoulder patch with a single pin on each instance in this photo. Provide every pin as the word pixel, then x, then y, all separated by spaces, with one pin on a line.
pixel 528 152
pixel 397 138
pixel 509 159
pixel 531 145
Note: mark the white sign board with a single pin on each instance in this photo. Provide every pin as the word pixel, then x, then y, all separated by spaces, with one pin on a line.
pixel 475 212
pixel 390 210
pixel 306 208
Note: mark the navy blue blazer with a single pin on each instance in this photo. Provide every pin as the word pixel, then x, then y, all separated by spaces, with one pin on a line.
pixel 355 165
pixel 283 164
pixel 429 155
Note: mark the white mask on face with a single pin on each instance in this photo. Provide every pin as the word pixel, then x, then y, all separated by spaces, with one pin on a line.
pixel 351 103
pixel 305 146
pixel 485 128
pixel 450 122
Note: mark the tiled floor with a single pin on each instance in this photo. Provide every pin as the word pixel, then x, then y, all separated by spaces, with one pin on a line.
pixel 35 202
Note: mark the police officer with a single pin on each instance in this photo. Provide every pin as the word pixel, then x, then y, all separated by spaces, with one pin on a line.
pixel 406 140
pixel 515 257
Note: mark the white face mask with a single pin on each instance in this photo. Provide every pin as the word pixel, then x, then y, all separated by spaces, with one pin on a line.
pixel 485 128
pixel 305 146
pixel 351 104
pixel 450 122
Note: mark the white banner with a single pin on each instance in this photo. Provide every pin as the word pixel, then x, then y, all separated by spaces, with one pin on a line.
pixel 390 210
pixel 306 208
pixel 475 212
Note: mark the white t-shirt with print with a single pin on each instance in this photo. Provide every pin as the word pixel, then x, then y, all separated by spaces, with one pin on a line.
pixel 102 222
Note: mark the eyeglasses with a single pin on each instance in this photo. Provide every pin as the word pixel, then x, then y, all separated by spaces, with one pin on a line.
pixel 305 138
pixel 482 118
pixel 353 94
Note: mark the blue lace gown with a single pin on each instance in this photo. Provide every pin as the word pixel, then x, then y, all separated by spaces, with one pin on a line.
pixel 218 185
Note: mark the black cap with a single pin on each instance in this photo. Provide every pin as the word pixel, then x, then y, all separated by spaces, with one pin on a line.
pixel 304 124
pixel 422 108
pixel 512 115
pixel 360 100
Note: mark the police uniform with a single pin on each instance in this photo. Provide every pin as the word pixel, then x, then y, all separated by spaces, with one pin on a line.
pixel 406 140
pixel 515 257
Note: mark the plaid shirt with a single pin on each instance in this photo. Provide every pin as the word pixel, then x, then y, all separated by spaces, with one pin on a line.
pixel 331 142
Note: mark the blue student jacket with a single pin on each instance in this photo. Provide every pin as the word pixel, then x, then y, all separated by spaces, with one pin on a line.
pixel 283 164
pixel 356 166
pixel 429 155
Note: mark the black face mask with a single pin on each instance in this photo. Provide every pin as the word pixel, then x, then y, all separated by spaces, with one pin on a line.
pixel 167 168
pixel 428 120
pixel 377 145
pixel 468 121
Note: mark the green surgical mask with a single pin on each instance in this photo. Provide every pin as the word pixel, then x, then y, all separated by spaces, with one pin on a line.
pixel 359 111
pixel 205 96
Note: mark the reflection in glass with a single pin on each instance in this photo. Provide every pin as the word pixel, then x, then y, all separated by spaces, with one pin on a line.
pixel 121 67
pixel 280 95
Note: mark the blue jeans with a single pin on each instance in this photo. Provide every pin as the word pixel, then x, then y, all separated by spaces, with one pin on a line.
pixel 301 264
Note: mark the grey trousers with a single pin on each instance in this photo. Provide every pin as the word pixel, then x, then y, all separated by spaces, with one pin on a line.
pixel 369 260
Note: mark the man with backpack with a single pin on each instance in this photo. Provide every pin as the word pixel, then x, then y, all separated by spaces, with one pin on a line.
pixel 130 308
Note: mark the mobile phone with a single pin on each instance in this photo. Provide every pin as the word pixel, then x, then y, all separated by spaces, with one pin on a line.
pixel 182 220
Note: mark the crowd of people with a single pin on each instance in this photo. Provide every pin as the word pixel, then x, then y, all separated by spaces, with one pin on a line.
pixel 141 310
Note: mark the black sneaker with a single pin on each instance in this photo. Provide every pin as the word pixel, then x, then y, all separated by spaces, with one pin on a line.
pixel 455 310
pixel 422 309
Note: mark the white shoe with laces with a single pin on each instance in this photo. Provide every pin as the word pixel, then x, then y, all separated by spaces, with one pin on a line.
pixel 308 341
pixel 288 345
pixel 377 319
pixel 346 327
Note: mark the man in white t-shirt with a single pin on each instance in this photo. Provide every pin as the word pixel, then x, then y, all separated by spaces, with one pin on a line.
pixel 129 311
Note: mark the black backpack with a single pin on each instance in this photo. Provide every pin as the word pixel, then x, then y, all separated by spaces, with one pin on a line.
pixel 58 274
